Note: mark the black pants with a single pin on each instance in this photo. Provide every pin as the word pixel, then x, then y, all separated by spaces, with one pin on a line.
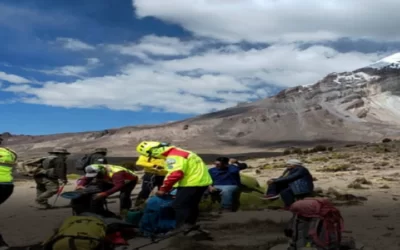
pixel 125 201
pixel 149 182
pixel 186 205
pixel 6 191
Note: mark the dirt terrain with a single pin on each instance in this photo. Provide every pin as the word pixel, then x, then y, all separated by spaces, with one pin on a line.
pixel 362 180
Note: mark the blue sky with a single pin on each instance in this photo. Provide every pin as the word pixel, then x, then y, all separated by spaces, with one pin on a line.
pixel 70 65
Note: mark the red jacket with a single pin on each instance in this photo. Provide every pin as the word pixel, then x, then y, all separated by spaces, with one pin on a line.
pixel 118 180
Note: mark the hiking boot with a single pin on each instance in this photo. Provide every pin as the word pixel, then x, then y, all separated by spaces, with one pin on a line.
pixel 40 205
pixel 270 197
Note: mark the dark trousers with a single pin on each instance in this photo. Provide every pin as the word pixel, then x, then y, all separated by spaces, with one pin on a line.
pixel 149 182
pixel 284 191
pixel 186 205
pixel 125 201
pixel 6 191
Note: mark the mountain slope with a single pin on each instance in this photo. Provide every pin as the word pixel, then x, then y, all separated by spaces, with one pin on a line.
pixel 362 105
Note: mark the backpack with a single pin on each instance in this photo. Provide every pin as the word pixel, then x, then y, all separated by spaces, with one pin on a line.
pixel 79 232
pixel 83 162
pixel 158 216
pixel 315 224
pixel 33 166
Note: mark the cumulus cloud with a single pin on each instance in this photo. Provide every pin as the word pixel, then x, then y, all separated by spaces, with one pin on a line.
pixel 13 78
pixel 198 83
pixel 279 20
pixel 156 46
pixel 213 70
pixel 74 44
pixel 73 70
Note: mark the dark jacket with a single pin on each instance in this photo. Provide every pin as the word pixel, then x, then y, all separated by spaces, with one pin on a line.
pixel 298 179
pixel 56 167
pixel 227 176
pixel 97 158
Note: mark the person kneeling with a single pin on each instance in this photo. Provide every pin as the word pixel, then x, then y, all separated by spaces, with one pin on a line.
pixel 296 182
pixel 226 182
pixel 123 180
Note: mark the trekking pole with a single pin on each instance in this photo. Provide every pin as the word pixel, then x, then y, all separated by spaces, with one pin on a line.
pixel 59 191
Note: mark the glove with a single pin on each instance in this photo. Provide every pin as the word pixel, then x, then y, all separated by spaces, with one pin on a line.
pixel 99 196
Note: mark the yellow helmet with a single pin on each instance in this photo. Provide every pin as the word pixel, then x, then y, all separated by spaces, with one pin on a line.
pixel 8 156
pixel 146 148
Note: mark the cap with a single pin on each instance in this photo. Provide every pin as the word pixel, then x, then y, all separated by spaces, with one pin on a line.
pixel 92 171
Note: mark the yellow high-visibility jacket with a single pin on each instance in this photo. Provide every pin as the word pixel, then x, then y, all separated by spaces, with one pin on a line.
pixel 153 165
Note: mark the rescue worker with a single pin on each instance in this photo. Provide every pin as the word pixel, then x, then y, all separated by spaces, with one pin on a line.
pixel 154 174
pixel 52 171
pixel 187 173
pixel 119 178
pixel 8 160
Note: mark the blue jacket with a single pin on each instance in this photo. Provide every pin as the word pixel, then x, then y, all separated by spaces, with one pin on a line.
pixel 298 179
pixel 227 176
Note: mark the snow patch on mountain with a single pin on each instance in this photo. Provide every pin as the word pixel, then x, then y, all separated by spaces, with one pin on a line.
pixel 357 78
pixel 392 61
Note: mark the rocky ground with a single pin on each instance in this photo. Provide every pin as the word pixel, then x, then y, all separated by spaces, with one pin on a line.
pixel 362 180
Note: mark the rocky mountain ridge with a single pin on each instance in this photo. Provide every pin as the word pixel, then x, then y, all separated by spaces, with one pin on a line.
pixel 362 105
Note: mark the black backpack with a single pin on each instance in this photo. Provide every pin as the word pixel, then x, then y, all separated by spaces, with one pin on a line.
pixel 83 162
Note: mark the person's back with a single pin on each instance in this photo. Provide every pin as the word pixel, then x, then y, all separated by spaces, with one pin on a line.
pixel 195 171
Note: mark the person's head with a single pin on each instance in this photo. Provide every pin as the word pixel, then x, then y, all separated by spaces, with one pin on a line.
pixel 8 156
pixel 60 152
pixel 292 163
pixel 93 171
pixel 102 151
pixel 153 149
pixel 222 162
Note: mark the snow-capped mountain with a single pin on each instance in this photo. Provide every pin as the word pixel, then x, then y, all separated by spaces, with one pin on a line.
pixel 392 61
pixel 361 105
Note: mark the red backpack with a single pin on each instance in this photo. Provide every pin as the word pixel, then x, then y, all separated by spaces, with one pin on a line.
pixel 315 223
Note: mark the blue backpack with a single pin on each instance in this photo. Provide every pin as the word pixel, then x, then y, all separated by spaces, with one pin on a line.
pixel 158 216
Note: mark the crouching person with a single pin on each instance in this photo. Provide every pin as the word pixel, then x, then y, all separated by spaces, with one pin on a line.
pixel 296 182
pixel 122 180
pixel 226 182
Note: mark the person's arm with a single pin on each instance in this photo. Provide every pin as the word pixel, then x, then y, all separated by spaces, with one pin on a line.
pixel 118 180
pixel 296 174
pixel 175 166
pixel 84 181
pixel 239 165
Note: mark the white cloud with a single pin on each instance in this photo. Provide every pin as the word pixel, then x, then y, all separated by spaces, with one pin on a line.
pixel 74 44
pixel 73 70
pixel 155 45
pixel 13 78
pixel 279 20
pixel 226 74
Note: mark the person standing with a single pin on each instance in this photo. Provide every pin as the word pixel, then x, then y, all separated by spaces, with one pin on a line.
pixel 8 160
pixel 50 173
pixel 188 173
